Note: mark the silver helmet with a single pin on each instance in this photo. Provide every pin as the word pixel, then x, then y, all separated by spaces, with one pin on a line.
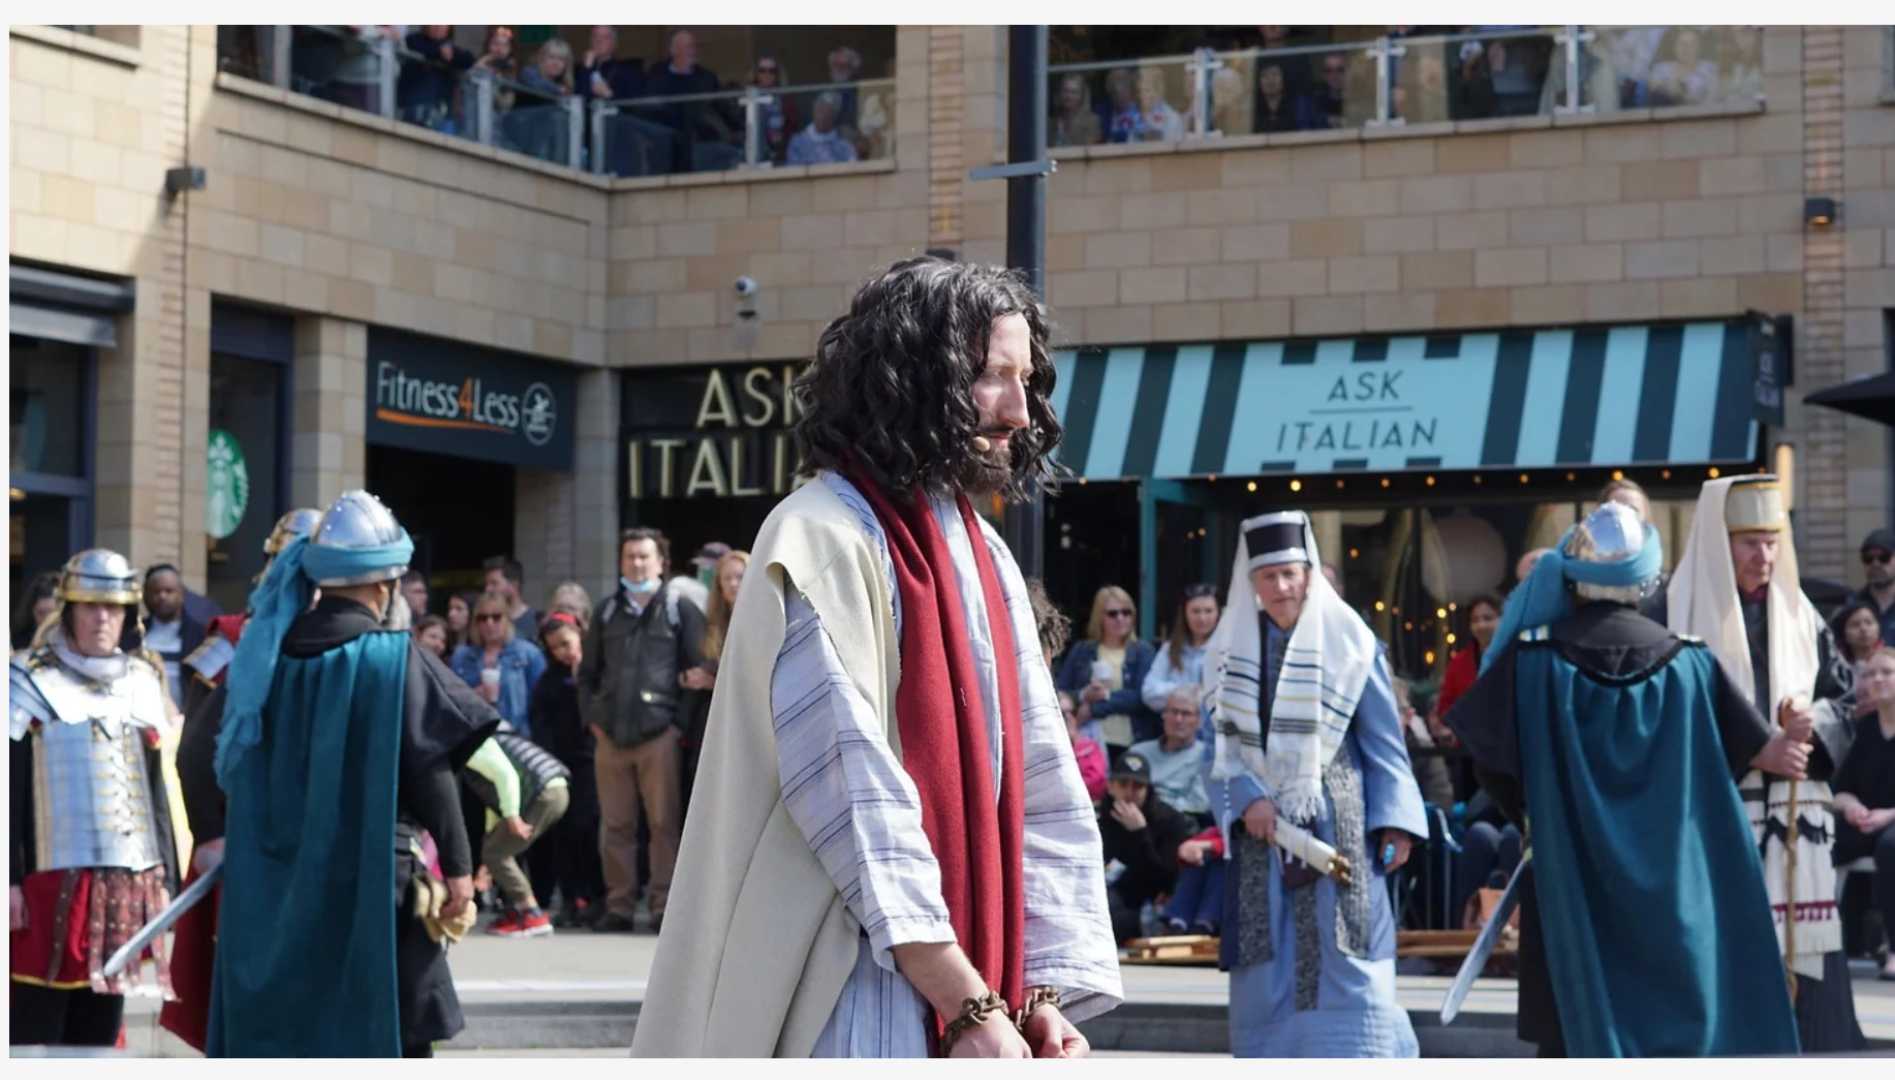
pixel 1611 533
pixel 358 520
pixel 298 522
pixel 99 576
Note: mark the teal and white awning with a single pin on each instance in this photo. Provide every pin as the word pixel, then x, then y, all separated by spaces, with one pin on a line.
pixel 1577 397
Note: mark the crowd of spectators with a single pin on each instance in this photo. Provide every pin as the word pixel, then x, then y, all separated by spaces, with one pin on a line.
pixel 1443 73
pixel 701 127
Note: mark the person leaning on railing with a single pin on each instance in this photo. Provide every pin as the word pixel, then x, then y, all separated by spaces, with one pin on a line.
pixel 1075 123
pixel 497 59
pixel 710 142
pixel 425 93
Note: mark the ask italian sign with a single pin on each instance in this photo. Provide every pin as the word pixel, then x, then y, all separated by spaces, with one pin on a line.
pixel 446 398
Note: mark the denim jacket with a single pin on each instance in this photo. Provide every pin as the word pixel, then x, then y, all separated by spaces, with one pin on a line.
pixel 521 665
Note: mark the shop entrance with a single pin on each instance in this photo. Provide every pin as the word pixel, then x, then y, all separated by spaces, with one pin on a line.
pixel 459 512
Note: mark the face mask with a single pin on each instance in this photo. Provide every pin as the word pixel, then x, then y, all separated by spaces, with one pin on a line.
pixel 639 588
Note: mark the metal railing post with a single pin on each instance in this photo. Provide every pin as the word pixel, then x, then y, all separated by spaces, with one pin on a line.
pixel 277 49
pixel 1202 66
pixel 598 136
pixel 1381 50
pixel 753 125
pixel 483 108
pixel 388 71
pixel 575 130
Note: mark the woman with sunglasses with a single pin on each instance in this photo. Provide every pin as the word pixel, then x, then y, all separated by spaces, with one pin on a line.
pixel 1180 660
pixel 1106 672
pixel 500 667
pixel 779 115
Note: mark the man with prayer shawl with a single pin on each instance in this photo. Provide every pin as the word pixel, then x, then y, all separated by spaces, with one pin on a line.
pixel 1737 587
pixel 1616 745
pixel 339 743
pixel 1307 733
pixel 889 848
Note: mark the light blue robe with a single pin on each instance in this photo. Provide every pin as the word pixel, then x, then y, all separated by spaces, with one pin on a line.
pixel 1355 1013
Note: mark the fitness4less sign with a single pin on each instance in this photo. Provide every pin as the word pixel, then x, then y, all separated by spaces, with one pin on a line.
pixel 425 394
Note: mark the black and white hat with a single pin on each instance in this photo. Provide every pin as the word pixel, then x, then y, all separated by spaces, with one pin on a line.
pixel 1281 537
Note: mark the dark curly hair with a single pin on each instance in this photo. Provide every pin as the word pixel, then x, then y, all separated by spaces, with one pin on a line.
pixel 891 391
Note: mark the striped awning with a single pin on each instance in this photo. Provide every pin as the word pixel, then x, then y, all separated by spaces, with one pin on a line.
pixel 1575 397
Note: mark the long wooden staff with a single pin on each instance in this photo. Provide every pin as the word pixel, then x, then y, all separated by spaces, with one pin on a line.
pixel 1789 873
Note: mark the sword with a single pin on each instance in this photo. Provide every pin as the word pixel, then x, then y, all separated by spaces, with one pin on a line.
pixel 186 900
pixel 1483 946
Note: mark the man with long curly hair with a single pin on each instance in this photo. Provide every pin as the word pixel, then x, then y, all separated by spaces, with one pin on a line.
pixel 890 852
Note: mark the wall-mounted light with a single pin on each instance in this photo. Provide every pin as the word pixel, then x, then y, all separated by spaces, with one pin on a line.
pixel 1819 212
pixel 183 178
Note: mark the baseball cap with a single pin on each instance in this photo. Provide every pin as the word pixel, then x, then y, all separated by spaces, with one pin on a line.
pixel 1133 767
pixel 1880 538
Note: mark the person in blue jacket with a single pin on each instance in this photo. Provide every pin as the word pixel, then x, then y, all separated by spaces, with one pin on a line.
pixel 493 646
pixel 1105 674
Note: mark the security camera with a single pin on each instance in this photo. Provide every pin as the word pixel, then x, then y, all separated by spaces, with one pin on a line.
pixel 746 286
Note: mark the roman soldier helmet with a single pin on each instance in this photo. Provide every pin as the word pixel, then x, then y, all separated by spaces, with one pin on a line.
pixel 99 576
pixel 357 521
pixel 298 522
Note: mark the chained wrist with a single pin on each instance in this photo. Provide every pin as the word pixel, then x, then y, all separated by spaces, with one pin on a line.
pixel 974 1012
pixel 1036 998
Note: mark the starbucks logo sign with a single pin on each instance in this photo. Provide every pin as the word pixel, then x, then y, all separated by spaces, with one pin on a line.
pixel 227 485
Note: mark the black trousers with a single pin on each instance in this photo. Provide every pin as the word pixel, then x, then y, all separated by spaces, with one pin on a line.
pixel 567 858
pixel 43 1016
pixel 1885 882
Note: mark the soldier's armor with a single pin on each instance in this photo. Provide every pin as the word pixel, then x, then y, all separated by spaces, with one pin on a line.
pixel 91 787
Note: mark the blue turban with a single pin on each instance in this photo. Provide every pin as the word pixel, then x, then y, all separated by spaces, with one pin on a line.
pixel 283 594
pixel 1543 597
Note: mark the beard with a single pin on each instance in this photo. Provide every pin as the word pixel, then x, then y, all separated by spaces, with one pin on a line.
pixel 985 473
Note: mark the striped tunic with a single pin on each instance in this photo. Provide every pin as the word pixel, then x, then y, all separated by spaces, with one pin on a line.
pixel 855 803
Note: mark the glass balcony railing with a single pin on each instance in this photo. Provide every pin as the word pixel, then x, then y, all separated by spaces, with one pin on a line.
pixel 1398 79
pixel 533 111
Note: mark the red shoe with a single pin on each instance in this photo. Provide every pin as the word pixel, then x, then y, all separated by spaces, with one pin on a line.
pixel 535 923
pixel 512 924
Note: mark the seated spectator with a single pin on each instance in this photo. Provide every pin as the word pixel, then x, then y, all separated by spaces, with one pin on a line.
pixel 1141 835
pixel 431 632
pixel 1180 660
pixel 1741 78
pixel 357 79
pixel 1274 109
pixel 500 666
pixel 1431 772
pixel 1106 672
pixel 635 143
pixel 845 66
pixel 1685 76
pixel 1865 793
pixel 1122 119
pixel 1489 853
pixel 1858 637
pixel 822 142
pixel 1294 66
pixel 566 859
pixel 1598 81
pixel 1175 758
pixel 710 142
pixel 1197 902
pixel 777 115
pixel 1632 51
pixel 603 75
pixel 1323 106
pixel 551 73
pixel 1089 754
pixel 1230 103
pixel 1158 121
pixel 1074 121
pixel 524 791
pixel 425 92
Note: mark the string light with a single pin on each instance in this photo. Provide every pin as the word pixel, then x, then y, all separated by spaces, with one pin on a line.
pixel 1450 639
pixel 1384 481
pixel 1713 472
pixel 1338 484
pixel 1428 657
pixel 1252 486
pixel 1355 553
pixel 1618 474
pixel 1440 613
pixel 1450 607
pixel 1664 474
pixel 1478 479
pixel 1379 606
pixel 1569 477
pixel 1523 478
pixel 1296 485
pixel 1430 481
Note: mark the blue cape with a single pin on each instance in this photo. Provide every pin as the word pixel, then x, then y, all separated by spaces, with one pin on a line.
pixel 1544 598
pixel 306 931
pixel 1652 903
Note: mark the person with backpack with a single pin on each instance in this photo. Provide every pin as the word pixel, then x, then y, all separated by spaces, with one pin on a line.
pixel 526 791
pixel 642 638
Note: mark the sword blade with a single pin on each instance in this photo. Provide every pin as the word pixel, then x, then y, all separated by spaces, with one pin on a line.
pixel 186 900
pixel 1483 948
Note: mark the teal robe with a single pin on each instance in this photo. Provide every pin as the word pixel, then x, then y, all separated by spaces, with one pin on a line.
pixel 1656 922
pixel 306 934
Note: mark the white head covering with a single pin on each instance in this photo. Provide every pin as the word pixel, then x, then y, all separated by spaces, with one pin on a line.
pixel 1702 601
pixel 1326 665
